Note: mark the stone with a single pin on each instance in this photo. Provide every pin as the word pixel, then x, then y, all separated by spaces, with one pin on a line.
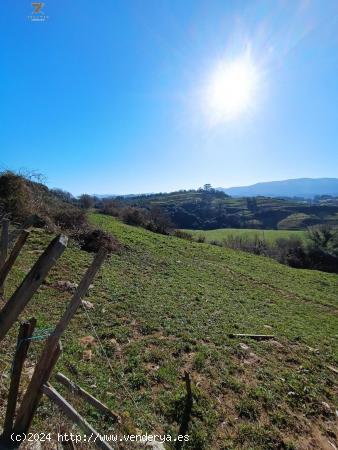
pixel 326 407
pixel 251 359
pixel 243 346
pixel 65 285
pixel 87 304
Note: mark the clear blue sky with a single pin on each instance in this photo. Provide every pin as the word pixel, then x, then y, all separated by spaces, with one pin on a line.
pixel 106 96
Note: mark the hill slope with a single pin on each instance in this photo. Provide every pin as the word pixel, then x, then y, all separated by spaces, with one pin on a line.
pixel 210 209
pixel 298 187
pixel 166 305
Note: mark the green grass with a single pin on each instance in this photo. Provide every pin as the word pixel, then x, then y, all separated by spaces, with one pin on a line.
pixel 165 305
pixel 250 234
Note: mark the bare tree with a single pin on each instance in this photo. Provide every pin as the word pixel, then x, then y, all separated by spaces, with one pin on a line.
pixel 86 201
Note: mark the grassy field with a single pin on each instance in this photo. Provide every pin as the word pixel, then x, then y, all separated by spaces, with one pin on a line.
pixel 165 305
pixel 246 233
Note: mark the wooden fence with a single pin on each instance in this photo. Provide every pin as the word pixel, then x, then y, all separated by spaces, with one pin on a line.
pixel 18 420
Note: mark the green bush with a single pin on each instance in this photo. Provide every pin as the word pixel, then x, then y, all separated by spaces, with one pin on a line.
pixel 183 235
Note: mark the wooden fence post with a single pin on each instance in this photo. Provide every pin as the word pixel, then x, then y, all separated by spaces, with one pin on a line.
pixel 8 264
pixel 75 417
pixel 32 396
pixel 4 241
pixel 4 246
pixel 82 393
pixel 30 284
pixel 25 333
pixel 23 421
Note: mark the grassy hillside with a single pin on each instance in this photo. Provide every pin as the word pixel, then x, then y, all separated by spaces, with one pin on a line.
pixel 268 235
pixel 209 209
pixel 165 305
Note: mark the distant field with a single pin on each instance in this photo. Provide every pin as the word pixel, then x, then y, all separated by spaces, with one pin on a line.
pixel 268 235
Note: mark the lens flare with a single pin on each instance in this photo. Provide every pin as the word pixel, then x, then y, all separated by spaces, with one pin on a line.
pixel 231 89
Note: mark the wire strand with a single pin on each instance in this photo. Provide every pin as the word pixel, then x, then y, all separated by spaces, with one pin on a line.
pixel 111 368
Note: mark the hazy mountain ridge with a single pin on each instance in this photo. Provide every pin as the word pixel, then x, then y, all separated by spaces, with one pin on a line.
pixel 298 187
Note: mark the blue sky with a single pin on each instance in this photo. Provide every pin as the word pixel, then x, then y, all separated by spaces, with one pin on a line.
pixel 109 96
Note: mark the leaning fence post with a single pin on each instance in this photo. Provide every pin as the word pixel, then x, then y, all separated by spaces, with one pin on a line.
pixel 25 333
pixel 75 417
pixel 4 241
pixel 4 246
pixel 82 393
pixel 8 264
pixel 33 393
pixel 30 284
pixel 27 410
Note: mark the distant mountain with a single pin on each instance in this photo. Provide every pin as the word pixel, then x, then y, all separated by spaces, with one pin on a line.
pixel 299 187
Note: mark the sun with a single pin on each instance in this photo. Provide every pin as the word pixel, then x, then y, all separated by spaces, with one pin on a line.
pixel 231 89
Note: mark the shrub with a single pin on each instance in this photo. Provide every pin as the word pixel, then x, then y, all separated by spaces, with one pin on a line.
pixel 183 235
pixel 63 195
pixel 256 246
pixel 22 197
pixel 159 221
pixel 291 251
pixel 324 238
pixel 93 240
pixel 32 203
pixel 321 260
pixel 134 216
pixel 86 201
pixel 201 238
pixel 154 219
pixel 320 254
pixel 71 219
pixel 111 208
pixel 215 242
pixel 323 248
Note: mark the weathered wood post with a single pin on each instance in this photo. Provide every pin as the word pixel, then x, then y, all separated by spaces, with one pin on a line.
pixel 4 247
pixel 74 416
pixel 82 393
pixel 30 284
pixel 4 240
pixel 8 264
pixel 25 333
pixel 41 374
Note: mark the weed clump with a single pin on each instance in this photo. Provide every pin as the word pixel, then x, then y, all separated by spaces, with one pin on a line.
pixel 183 235
pixel 92 240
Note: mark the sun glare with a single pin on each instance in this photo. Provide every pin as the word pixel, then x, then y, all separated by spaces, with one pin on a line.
pixel 231 89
